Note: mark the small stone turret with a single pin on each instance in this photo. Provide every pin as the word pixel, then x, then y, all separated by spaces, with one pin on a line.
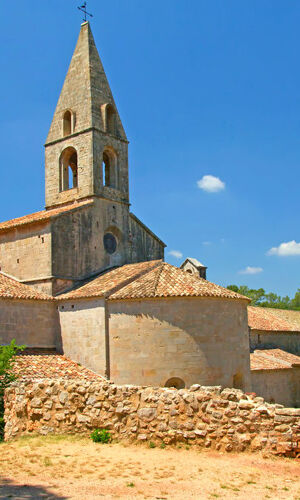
pixel 193 266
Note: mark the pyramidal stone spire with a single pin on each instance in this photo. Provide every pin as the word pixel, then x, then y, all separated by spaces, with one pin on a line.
pixel 86 153
pixel 86 89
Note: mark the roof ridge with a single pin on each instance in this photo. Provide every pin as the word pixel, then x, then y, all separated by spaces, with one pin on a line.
pixel 170 281
pixel 111 280
pixel 158 276
pixel 11 288
pixel 272 357
pixel 10 276
pixel 43 215
pixel 130 279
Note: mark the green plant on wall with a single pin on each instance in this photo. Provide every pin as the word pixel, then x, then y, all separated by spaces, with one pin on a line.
pixel 7 358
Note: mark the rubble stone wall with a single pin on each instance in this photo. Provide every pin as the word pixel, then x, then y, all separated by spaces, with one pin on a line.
pixel 224 419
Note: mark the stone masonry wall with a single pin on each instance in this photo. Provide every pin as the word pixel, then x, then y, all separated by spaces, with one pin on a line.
pixel 281 385
pixel 288 341
pixel 197 339
pixel 82 325
pixel 30 322
pixel 25 252
pixel 224 419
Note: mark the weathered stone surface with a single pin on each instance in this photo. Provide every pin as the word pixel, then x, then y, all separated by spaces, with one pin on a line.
pixel 245 405
pixel 142 437
pixel 63 397
pixel 146 413
pixel 293 412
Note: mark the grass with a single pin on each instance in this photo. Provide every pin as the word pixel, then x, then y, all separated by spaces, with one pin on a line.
pixel 130 485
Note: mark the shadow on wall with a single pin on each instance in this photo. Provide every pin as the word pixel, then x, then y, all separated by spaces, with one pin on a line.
pixel 199 341
pixel 58 336
pixel 9 489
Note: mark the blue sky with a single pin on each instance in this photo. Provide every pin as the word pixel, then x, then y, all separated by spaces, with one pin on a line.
pixel 204 88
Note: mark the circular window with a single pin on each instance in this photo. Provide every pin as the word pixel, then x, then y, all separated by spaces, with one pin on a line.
pixel 176 382
pixel 110 243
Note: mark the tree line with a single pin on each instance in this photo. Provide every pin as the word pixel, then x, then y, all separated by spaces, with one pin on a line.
pixel 262 299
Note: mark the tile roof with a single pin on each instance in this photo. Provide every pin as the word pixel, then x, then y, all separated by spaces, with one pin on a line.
pixel 170 281
pixel 273 359
pixel 110 281
pixel 34 364
pixel 13 289
pixel 44 215
pixel 267 319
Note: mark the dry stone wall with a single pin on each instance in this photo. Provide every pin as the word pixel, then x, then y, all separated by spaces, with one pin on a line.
pixel 224 419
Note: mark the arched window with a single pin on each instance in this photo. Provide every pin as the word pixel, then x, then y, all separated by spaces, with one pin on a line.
pixel 110 120
pixel 109 168
pixel 67 123
pixel 106 167
pixel 176 382
pixel 108 113
pixel 68 169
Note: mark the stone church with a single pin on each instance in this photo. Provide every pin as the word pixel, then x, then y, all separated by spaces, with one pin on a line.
pixel 87 278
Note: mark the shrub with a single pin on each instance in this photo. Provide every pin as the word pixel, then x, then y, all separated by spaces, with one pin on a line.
pixel 152 445
pixel 101 436
pixel 7 358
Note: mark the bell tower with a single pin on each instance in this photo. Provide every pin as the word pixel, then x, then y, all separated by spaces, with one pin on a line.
pixel 86 152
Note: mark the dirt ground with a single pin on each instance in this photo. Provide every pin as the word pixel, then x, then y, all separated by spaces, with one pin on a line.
pixel 60 467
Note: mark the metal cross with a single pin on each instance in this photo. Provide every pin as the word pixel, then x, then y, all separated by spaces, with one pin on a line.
pixel 83 9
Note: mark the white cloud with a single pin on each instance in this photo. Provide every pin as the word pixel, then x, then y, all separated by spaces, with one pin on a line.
pixel 285 249
pixel 211 184
pixel 176 253
pixel 251 270
pixel 206 243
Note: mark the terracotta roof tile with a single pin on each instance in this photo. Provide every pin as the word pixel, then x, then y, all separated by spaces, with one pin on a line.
pixel 30 365
pixel 44 215
pixel 273 359
pixel 267 319
pixel 170 281
pixel 13 289
pixel 110 281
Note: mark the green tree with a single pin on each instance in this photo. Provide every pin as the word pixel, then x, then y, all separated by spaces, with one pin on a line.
pixel 256 296
pixel 7 358
pixel 261 298
pixel 295 302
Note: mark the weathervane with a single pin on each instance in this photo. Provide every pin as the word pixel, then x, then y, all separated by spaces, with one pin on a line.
pixel 83 9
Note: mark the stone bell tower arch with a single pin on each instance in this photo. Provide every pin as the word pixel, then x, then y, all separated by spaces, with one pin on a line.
pixel 86 122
